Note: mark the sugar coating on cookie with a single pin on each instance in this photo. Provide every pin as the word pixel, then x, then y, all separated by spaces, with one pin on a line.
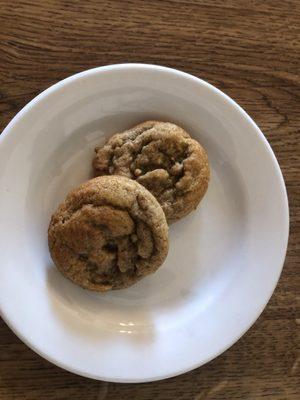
pixel 162 157
pixel 108 233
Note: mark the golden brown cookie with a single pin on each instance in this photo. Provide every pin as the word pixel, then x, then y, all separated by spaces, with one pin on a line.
pixel 108 233
pixel 162 157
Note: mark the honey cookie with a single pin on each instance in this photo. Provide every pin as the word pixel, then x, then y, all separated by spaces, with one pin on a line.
pixel 108 233
pixel 162 157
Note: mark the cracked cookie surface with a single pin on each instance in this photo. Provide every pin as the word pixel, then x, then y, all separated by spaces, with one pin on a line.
pixel 108 233
pixel 162 157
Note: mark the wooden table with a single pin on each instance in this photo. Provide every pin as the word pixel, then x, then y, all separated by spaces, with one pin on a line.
pixel 249 49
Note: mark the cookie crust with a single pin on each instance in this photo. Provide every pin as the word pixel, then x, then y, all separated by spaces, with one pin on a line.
pixel 108 234
pixel 162 157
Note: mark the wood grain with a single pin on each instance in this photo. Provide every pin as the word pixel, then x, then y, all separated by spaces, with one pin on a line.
pixel 249 49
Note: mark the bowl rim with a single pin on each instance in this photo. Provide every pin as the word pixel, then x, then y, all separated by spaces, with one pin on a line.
pixel 139 67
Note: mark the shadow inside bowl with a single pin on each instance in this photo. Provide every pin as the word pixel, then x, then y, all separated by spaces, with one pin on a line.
pixel 88 314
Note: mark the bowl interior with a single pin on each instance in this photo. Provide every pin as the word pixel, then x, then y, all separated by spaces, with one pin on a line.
pixel 224 259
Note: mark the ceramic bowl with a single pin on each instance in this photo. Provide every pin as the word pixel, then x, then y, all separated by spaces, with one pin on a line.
pixel 224 260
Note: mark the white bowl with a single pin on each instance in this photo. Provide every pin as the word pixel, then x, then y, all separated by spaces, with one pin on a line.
pixel 224 260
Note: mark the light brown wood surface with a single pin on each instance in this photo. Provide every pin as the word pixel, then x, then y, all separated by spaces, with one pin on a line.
pixel 250 50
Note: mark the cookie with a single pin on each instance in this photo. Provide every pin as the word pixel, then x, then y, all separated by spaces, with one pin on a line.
pixel 109 233
pixel 162 157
